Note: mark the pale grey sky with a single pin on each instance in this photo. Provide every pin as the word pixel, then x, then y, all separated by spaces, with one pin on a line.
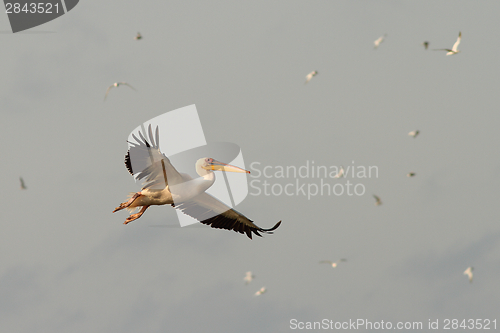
pixel 69 265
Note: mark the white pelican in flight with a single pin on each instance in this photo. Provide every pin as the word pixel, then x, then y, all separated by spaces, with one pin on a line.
pixel 261 291
pixel 411 174
pixel 310 76
pixel 379 41
pixel 378 202
pixel 340 174
pixel 468 272
pixel 117 84
pixel 23 186
pixel 426 44
pixel 414 133
pixel 248 277
pixel 138 36
pixel 334 264
pixel 454 49
pixel 164 185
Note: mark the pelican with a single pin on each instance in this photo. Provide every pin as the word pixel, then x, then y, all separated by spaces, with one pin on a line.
pixel 468 272
pixel 426 44
pixel 411 174
pixel 164 185
pixel 310 76
pixel 378 202
pixel 117 84
pixel 340 174
pixel 379 41
pixel 414 133
pixel 138 36
pixel 248 277
pixel 261 291
pixel 334 264
pixel 23 186
pixel 454 49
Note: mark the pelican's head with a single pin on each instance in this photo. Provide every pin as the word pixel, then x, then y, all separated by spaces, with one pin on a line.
pixel 211 164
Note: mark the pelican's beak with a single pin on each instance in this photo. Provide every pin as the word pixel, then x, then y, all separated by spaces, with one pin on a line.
pixel 220 166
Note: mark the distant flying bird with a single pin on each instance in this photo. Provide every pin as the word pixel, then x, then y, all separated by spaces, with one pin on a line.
pixel 379 41
pixel 411 174
pixel 378 202
pixel 138 36
pixel 340 174
pixel 117 84
pixel 164 185
pixel 261 291
pixel 334 264
pixel 23 186
pixel 310 76
pixel 454 49
pixel 426 44
pixel 468 272
pixel 248 277
pixel 414 133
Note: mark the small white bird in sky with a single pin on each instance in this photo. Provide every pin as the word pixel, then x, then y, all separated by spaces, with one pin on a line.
pixel 248 277
pixel 261 291
pixel 426 44
pixel 414 133
pixel 454 49
pixel 468 272
pixel 411 174
pixel 378 202
pixel 310 76
pixel 340 174
pixel 138 36
pixel 333 263
pixel 23 186
pixel 379 41
pixel 117 84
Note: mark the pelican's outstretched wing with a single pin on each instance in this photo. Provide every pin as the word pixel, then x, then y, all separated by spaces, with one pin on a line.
pixel 144 160
pixel 208 210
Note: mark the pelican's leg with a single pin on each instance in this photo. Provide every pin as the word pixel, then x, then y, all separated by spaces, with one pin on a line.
pixel 136 216
pixel 128 203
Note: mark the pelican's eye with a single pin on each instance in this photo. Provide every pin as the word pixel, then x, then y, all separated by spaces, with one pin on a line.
pixel 209 160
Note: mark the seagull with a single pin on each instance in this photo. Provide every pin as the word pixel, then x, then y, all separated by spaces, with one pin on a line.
pixel 261 291
pixel 426 44
pixel 23 186
pixel 340 174
pixel 468 272
pixel 379 41
pixel 334 264
pixel 414 133
pixel 117 84
pixel 248 277
pixel 310 76
pixel 411 174
pixel 138 36
pixel 454 49
pixel 378 202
